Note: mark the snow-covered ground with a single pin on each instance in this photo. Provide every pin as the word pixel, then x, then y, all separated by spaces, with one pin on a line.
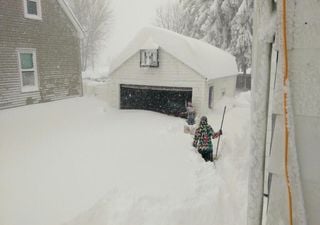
pixel 80 162
pixel 98 74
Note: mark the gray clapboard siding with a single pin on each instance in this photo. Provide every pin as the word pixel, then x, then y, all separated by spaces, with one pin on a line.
pixel 57 46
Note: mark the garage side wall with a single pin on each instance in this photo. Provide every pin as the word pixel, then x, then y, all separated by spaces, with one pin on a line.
pixel 221 87
pixel 170 73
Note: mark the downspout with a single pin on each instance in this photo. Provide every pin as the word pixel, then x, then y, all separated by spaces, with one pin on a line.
pixel 259 112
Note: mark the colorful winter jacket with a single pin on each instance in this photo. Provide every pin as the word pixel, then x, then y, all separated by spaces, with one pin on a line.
pixel 203 138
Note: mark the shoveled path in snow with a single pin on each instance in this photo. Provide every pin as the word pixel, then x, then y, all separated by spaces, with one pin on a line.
pixel 81 162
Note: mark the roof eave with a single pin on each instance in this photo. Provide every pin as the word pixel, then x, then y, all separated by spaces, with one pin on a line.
pixel 72 18
pixel 221 77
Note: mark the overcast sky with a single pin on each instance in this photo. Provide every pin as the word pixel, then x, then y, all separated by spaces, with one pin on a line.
pixel 129 17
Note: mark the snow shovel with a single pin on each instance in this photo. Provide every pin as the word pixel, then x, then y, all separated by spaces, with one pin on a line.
pixel 217 149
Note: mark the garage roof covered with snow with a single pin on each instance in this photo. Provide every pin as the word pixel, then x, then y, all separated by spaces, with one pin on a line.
pixel 209 61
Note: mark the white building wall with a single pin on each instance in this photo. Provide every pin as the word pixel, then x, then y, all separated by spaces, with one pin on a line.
pixel 304 113
pixel 221 87
pixel 171 72
pixel 304 80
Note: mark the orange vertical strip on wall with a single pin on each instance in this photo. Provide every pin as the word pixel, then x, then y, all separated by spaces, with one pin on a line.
pixel 285 106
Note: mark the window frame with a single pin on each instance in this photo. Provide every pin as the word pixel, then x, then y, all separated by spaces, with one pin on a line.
pixel 223 91
pixel 211 97
pixel 32 16
pixel 34 88
pixel 144 51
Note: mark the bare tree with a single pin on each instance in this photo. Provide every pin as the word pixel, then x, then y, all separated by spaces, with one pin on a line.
pixel 95 16
pixel 171 16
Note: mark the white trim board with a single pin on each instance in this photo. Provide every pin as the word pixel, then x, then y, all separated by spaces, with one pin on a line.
pixel 66 8
pixel 31 16
pixel 25 89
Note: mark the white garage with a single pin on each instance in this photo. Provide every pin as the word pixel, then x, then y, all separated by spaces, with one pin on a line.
pixel 161 70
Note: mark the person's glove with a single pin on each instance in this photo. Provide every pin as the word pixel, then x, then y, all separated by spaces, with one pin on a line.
pixel 215 135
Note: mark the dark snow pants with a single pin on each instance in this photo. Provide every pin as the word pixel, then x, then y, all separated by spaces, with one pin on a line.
pixel 207 155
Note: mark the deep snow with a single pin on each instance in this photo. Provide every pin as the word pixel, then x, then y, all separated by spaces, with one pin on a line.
pixel 195 53
pixel 79 161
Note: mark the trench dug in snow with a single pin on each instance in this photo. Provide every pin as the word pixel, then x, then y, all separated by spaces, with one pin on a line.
pixel 80 162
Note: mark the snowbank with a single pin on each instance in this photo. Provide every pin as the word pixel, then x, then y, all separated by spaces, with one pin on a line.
pixel 83 160
pixel 97 74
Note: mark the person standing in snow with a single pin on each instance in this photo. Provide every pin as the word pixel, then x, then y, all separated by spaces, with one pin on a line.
pixel 191 114
pixel 202 139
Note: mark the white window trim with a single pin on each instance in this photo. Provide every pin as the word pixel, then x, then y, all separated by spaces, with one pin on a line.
pixel 34 58
pixel 31 16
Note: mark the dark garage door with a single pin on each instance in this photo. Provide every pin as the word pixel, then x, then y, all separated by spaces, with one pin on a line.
pixel 168 100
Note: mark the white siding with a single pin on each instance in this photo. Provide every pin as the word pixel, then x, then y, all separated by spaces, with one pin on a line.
pixel 304 120
pixel 171 72
pixel 225 85
pixel 304 80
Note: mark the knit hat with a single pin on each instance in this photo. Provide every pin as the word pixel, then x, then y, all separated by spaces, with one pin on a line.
pixel 203 120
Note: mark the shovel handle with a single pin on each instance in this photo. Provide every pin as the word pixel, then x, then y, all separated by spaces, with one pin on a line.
pixel 217 149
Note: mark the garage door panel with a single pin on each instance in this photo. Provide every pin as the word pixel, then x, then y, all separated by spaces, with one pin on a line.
pixel 168 100
pixel 160 88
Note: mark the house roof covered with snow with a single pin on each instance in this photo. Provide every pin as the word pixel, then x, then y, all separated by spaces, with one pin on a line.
pixel 209 61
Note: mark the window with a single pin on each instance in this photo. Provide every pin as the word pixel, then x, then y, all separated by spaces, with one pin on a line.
pixel 274 5
pixel 28 70
pixel 210 97
pixel 149 58
pixel 223 92
pixel 32 9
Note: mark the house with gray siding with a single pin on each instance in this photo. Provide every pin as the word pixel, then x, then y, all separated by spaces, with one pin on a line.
pixel 160 70
pixel 40 52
